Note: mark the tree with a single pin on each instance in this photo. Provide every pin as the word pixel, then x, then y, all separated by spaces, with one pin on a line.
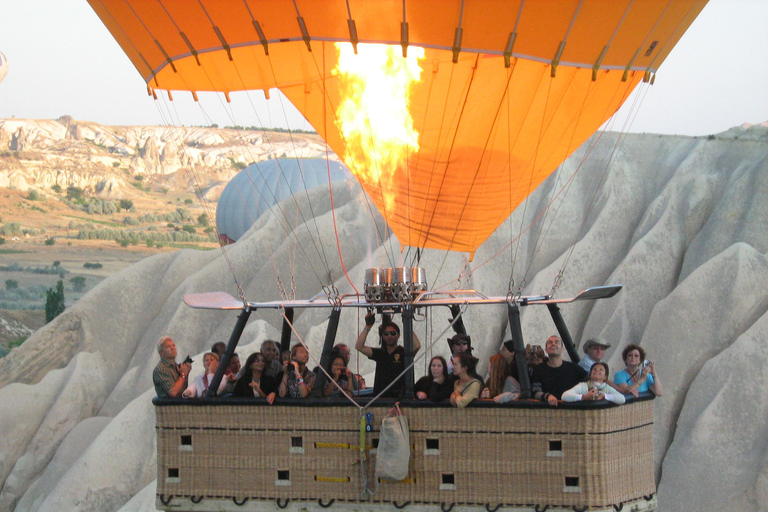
pixel 54 302
pixel 56 188
pixel 11 284
pixel 56 263
pixel 74 193
pixel 78 283
pixel 126 204
pixel 50 241
pixel 32 195
pixel 203 219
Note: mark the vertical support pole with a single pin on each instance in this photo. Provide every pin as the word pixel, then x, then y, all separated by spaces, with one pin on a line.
pixel 330 337
pixel 285 334
pixel 562 329
pixel 513 310
pixel 458 326
pixel 234 338
pixel 408 346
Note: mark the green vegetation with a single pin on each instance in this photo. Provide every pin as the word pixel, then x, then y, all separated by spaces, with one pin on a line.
pixel 203 219
pixel 189 229
pixel 50 240
pixel 54 302
pixel 23 298
pixel 188 201
pixel 11 284
pixel 262 129
pixel 92 265
pixel 115 164
pixel 126 204
pixel 2 240
pixel 32 195
pixel 15 267
pixel 78 283
pixel 56 188
pixel 17 343
pixel 12 228
pixel 74 193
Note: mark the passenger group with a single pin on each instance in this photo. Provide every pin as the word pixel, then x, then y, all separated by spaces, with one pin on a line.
pixel 552 378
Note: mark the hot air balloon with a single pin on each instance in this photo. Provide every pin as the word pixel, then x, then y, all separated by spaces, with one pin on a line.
pixel 3 66
pixel 491 98
pixel 278 179
pixel 449 113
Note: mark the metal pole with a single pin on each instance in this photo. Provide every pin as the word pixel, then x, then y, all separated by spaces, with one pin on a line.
pixel 234 338
pixel 517 341
pixel 285 335
pixel 562 329
pixel 330 337
pixel 408 346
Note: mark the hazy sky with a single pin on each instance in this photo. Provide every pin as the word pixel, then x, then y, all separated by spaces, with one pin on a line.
pixel 63 61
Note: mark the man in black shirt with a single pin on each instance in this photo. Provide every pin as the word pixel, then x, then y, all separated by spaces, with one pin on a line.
pixel 390 358
pixel 555 376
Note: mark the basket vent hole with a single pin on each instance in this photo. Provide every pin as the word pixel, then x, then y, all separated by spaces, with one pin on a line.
pixel 186 440
pixel 556 446
pixel 375 442
pixel 448 480
pixel 297 442
pixel 283 475
pixel 433 444
pixel 173 472
pixel 571 481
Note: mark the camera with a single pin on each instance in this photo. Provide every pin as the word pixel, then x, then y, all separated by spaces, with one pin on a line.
pixel 188 360
pixel 646 363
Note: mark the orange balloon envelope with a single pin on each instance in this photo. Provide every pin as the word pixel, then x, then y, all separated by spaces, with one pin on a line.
pixel 448 112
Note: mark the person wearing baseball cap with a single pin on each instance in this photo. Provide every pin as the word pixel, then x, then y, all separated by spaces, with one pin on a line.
pixel 595 351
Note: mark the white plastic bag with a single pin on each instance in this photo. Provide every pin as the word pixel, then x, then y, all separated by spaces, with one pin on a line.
pixel 394 452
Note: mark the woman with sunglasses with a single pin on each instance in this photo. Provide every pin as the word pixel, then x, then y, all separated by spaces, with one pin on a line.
pixel 389 358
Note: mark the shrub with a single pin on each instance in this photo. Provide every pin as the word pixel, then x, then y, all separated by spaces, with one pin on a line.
pixel 11 284
pixel 203 219
pixel 74 193
pixel 150 242
pixel 92 265
pixel 124 242
pixel 56 188
pixel 130 221
pixel 2 240
pixel 189 229
pixel 187 201
pixel 50 240
pixel 115 164
pixel 56 263
pixel 32 195
pixel 78 283
pixel 126 204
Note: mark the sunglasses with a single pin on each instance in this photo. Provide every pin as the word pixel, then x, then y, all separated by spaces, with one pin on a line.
pixel 461 343
pixel 389 333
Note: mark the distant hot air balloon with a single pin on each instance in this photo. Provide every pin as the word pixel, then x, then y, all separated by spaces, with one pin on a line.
pixel 492 97
pixel 3 66
pixel 258 187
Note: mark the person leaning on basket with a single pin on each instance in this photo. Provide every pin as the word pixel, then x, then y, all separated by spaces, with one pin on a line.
pixel 596 387
pixel 254 382
pixel 170 379
pixel 555 376
pixel 639 375
pixel 437 385
pixel 501 386
pixel 468 383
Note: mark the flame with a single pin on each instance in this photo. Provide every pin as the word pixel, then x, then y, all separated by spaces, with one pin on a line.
pixel 373 115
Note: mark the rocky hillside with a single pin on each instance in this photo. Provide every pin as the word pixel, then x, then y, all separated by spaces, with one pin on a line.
pixel 679 221
pixel 104 160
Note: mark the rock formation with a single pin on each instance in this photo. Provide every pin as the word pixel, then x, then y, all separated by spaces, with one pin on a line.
pixel 679 221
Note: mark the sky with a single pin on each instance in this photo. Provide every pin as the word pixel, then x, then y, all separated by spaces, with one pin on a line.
pixel 63 61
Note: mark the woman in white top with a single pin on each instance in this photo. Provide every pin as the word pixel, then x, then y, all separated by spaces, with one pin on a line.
pixel 595 388
pixel 199 386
